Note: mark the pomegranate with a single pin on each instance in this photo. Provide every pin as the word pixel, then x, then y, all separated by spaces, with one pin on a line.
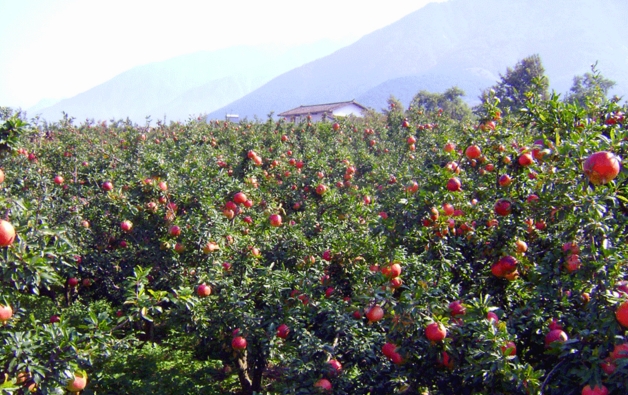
pixel 601 167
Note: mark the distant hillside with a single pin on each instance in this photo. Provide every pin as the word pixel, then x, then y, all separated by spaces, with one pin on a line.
pixel 40 105
pixel 459 42
pixel 186 85
pixel 472 81
pixel 197 100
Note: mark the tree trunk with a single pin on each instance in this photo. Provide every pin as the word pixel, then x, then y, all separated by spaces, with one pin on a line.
pixel 258 371
pixel 243 374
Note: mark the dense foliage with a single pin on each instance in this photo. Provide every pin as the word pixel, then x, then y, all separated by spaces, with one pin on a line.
pixel 376 255
pixel 589 87
pixel 515 87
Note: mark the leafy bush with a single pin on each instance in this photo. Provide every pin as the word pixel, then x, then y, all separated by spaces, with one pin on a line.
pixel 354 201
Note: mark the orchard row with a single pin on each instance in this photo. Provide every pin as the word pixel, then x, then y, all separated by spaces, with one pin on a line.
pixel 404 252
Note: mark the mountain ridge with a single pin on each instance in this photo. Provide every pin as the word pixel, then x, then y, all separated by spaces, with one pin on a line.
pixel 146 90
pixel 468 43
pixel 459 36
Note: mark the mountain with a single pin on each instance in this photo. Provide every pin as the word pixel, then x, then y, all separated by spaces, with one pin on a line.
pixel 186 85
pixel 40 105
pixel 197 101
pixel 470 80
pixel 463 42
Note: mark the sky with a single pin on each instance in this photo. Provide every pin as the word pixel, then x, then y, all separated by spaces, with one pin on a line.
pixel 54 49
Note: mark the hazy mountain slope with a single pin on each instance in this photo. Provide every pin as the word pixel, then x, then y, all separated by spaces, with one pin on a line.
pixel 40 105
pixel 148 89
pixel 197 100
pixel 405 88
pixel 463 37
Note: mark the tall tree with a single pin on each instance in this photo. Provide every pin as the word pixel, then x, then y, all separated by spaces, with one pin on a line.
pixel 527 79
pixel 589 87
pixel 450 102
pixel 5 113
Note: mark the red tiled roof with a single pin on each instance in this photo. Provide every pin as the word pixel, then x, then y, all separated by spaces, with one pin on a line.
pixel 318 108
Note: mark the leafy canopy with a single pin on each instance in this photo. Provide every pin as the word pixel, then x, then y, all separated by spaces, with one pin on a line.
pixel 589 87
pixel 450 102
pixel 527 79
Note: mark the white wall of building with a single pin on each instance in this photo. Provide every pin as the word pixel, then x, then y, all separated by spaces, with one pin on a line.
pixel 344 111
pixel 350 109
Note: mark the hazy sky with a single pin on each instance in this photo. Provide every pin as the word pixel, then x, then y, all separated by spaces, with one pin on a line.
pixel 57 49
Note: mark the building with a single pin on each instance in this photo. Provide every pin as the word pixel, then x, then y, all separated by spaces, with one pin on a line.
pixel 321 112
